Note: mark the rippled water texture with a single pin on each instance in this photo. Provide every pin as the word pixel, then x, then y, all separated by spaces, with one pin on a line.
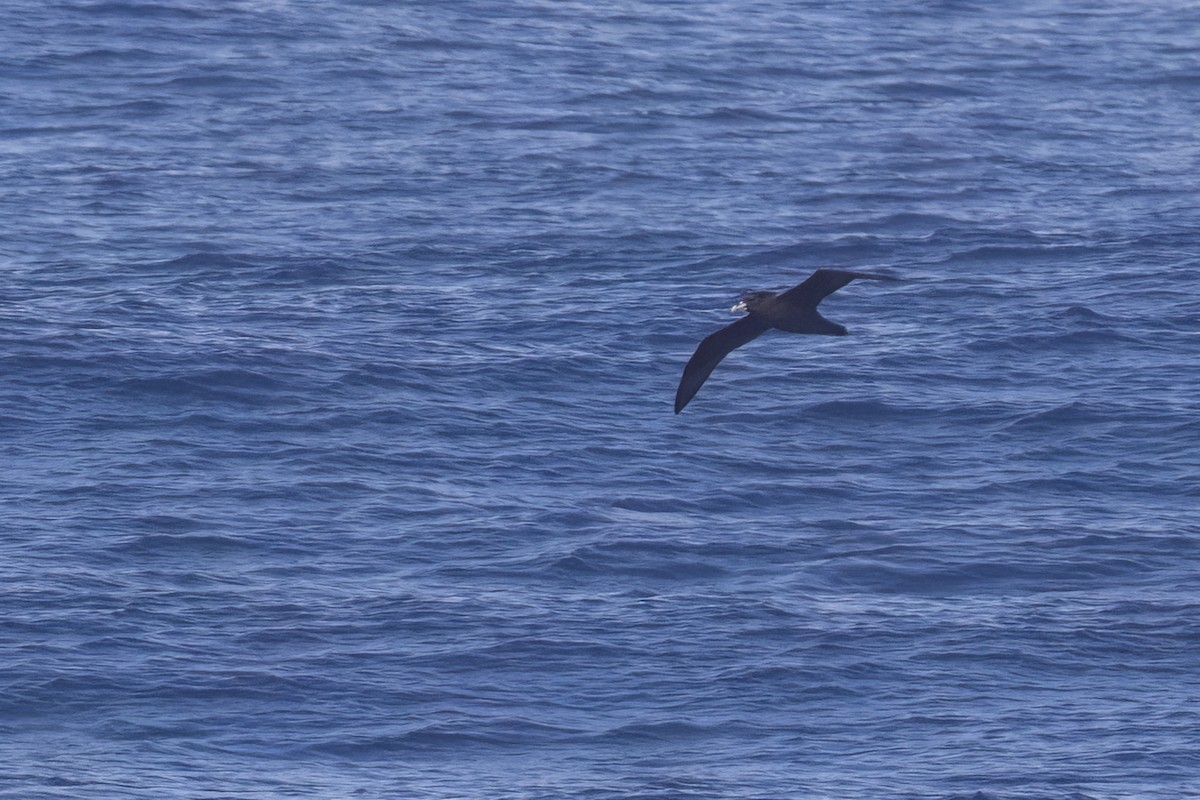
pixel 339 345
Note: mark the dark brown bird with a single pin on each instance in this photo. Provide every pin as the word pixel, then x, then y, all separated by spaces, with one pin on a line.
pixel 794 311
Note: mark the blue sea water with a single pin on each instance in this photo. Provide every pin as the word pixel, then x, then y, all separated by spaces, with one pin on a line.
pixel 339 342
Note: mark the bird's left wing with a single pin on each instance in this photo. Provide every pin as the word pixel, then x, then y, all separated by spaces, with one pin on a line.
pixel 711 351
pixel 825 282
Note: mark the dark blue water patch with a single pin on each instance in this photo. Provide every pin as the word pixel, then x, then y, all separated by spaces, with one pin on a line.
pixel 632 560
pixel 454 734
pixel 1067 414
pixel 224 385
pixel 1038 341
pixel 671 730
pixel 221 265
pixel 187 544
pixel 1083 315
pixel 854 410
pixel 911 222
pixel 139 10
pixel 972 580
pixel 924 91
pixel 169 524
pixel 1010 254
pixel 109 56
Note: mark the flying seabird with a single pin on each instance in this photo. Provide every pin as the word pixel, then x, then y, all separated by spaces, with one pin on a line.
pixel 794 311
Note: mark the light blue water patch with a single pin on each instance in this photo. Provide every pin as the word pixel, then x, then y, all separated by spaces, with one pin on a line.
pixel 340 344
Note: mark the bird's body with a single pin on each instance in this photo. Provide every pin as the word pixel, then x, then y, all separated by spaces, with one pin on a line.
pixel 786 314
pixel 794 311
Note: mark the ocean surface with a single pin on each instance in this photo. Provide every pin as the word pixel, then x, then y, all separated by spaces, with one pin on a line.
pixel 339 342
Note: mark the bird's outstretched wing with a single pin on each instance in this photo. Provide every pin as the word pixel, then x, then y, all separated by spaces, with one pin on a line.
pixel 825 282
pixel 711 351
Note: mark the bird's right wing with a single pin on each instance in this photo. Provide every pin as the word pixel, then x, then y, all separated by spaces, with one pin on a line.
pixel 711 351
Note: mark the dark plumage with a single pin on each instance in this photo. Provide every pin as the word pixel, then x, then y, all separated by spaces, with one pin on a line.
pixel 794 311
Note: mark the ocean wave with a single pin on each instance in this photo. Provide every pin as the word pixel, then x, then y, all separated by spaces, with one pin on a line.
pixel 339 346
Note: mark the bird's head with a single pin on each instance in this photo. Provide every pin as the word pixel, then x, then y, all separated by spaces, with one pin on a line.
pixel 751 301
